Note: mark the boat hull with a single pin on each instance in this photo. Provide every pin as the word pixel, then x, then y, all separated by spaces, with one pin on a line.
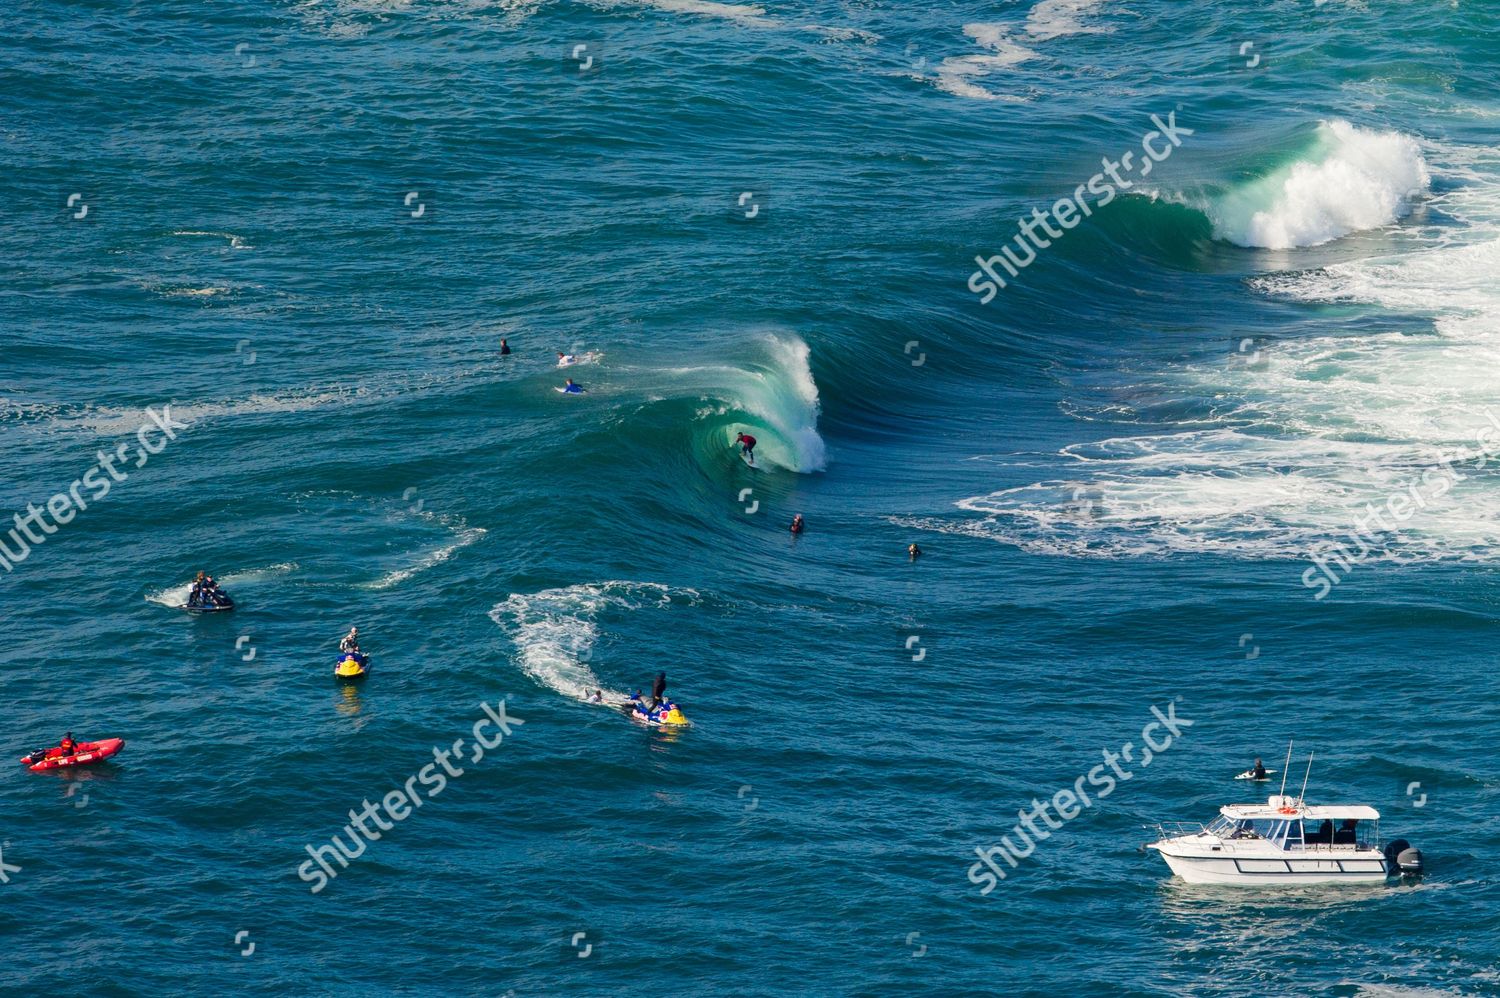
pixel 1249 871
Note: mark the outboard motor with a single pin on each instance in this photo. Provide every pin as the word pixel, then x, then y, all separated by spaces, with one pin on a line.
pixel 1401 859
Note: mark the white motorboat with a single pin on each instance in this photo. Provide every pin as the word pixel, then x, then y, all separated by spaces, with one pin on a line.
pixel 1285 841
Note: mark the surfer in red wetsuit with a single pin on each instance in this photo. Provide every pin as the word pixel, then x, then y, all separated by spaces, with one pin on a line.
pixel 748 442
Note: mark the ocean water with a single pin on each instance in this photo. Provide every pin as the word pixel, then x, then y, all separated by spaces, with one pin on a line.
pixel 1222 448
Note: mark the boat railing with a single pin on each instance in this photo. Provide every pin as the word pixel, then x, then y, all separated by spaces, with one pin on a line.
pixel 1177 829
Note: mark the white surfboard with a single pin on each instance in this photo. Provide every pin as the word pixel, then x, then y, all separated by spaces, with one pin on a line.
pixel 1249 774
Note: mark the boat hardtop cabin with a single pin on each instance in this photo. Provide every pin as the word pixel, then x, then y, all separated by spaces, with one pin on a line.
pixel 1288 823
pixel 1278 806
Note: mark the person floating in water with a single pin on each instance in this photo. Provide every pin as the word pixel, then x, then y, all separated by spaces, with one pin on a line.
pixel 1258 771
pixel 596 697
pixel 350 644
pixel 913 552
pixel 746 441
pixel 797 524
pixel 564 359
pixel 504 349
pixel 571 388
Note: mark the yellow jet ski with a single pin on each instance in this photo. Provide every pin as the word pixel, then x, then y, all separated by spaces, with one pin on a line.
pixel 352 665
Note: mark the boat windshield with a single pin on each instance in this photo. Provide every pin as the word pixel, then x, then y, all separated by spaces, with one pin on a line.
pixel 1282 832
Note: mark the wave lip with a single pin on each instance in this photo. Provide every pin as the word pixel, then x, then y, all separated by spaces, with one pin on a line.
pixel 773 398
pixel 1353 179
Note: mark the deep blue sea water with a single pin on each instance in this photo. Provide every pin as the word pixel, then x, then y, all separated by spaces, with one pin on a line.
pixel 305 228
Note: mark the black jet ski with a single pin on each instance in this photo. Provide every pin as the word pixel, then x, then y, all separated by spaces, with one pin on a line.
pixel 215 600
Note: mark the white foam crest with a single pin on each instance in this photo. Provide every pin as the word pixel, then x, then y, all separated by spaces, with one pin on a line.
pixel 175 596
pixel 752 15
pixel 235 242
pixel 463 536
pixel 208 292
pixel 1055 18
pixel 555 630
pixel 1451 279
pixel 1303 437
pixel 844 34
pixel 1353 179
pixel 13 410
pixel 794 404
pixel 120 421
pixel 957 75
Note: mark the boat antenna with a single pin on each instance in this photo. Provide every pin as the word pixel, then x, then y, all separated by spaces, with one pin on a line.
pixel 1303 796
pixel 1286 767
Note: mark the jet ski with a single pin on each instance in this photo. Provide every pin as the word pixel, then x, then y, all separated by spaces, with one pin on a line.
pixel 668 715
pixel 352 665
pixel 82 754
pixel 207 598
pixel 215 603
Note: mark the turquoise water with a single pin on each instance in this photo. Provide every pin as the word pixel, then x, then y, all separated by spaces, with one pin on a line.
pixel 308 227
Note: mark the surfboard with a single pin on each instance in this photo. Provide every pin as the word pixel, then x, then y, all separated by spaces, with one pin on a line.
pixel 749 461
pixel 1249 774
pixel 564 391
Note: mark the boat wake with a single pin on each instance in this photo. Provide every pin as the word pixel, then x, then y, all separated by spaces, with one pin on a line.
pixel 556 631
pixel 175 596
pixel 462 536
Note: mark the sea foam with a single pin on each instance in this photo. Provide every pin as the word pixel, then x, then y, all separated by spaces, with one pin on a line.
pixel 1352 179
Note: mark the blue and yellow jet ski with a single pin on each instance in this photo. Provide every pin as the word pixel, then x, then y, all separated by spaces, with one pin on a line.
pixel 665 715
